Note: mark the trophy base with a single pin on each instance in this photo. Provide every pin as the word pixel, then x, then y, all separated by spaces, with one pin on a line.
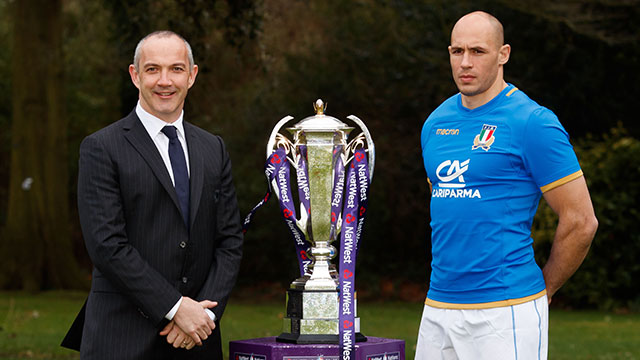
pixel 312 318
pixel 314 339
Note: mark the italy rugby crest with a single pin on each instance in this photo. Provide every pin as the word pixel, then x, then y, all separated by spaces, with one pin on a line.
pixel 485 139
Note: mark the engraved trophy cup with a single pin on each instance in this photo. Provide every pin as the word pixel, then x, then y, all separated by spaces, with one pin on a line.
pixel 320 150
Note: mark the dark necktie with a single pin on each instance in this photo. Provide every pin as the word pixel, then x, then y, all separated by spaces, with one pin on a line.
pixel 180 174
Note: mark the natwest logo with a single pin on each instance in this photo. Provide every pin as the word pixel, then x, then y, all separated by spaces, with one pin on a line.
pixel 243 356
pixel 452 178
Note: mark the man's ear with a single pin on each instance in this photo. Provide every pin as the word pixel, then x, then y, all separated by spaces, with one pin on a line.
pixel 192 75
pixel 505 52
pixel 134 76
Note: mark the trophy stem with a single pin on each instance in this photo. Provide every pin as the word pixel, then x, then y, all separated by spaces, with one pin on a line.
pixel 321 278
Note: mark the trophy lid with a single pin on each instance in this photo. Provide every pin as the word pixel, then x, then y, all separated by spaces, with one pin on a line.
pixel 320 122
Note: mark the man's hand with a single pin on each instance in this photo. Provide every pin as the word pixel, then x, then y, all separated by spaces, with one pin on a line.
pixel 193 320
pixel 176 337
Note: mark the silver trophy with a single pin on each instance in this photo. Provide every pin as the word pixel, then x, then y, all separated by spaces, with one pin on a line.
pixel 312 299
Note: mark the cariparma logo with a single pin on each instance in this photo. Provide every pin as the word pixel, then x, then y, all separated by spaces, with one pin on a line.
pixel 452 183
pixel 485 139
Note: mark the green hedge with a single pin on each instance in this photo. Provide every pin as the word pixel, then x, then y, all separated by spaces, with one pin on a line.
pixel 608 279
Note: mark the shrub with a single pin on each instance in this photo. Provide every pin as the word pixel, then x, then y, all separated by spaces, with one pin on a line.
pixel 608 278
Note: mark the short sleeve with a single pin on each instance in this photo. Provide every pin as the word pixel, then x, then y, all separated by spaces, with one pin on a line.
pixel 424 134
pixel 548 154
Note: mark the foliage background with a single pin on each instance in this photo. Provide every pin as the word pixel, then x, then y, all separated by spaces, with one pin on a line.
pixel 386 62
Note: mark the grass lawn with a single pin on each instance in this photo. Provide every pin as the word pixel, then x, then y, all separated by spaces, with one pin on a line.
pixel 32 326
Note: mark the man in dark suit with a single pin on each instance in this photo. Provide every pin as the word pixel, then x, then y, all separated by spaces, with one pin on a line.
pixel 160 221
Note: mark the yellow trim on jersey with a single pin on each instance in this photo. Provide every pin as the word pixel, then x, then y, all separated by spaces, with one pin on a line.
pixel 562 181
pixel 489 305
pixel 512 91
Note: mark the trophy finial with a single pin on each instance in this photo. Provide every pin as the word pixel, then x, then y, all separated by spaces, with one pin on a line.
pixel 319 106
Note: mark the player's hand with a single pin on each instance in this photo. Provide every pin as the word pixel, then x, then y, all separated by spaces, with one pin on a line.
pixel 193 320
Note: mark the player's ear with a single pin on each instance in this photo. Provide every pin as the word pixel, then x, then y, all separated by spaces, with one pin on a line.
pixel 504 53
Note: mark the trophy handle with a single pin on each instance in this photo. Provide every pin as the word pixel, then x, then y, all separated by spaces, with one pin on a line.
pixel 371 149
pixel 272 139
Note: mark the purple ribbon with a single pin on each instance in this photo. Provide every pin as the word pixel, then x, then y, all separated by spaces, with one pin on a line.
pixel 302 178
pixel 354 211
pixel 278 172
pixel 338 189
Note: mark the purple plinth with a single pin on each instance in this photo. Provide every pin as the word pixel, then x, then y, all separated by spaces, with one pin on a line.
pixel 267 348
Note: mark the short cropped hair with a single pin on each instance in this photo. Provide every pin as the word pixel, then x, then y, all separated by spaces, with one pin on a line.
pixel 161 33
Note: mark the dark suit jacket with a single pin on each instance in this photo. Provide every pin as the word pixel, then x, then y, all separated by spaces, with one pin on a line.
pixel 144 255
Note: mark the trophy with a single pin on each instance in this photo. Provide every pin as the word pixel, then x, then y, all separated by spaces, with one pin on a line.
pixel 333 173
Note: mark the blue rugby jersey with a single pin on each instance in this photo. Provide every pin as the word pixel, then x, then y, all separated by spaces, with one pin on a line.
pixel 488 168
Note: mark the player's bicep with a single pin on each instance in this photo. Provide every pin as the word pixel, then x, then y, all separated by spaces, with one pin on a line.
pixel 570 200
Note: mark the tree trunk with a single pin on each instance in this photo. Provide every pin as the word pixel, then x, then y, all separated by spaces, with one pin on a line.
pixel 36 244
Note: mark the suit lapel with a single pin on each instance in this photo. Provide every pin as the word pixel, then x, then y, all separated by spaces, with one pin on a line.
pixel 196 167
pixel 139 138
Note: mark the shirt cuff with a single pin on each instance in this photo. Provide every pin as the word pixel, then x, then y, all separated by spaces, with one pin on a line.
pixel 211 314
pixel 173 310
pixel 175 307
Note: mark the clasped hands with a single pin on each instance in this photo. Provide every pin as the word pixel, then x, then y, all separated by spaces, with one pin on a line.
pixel 190 325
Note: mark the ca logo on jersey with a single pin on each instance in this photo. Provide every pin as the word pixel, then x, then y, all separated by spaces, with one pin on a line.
pixel 453 177
pixel 485 139
pixel 452 183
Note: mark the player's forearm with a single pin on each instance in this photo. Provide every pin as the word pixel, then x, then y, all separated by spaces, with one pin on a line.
pixel 570 247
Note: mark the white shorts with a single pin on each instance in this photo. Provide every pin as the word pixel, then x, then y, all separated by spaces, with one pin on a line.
pixel 517 332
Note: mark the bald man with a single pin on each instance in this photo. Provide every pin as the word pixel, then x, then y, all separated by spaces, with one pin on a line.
pixel 490 153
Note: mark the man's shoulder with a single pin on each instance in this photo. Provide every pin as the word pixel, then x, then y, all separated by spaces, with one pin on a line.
pixel 450 104
pixel 200 132
pixel 523 112
pixel 115 127
pixel 203 137
pixel 446 110
pixel 519 99
pixel 447 107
